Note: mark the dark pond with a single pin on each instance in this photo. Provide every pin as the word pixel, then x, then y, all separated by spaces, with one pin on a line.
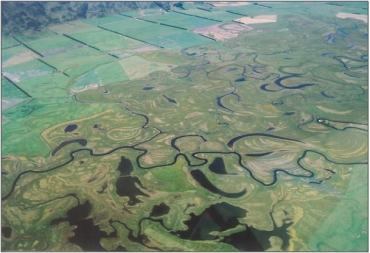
pixel 223 216
pixel 86 234
pixel 204 182
pixel 104 186
pixel 219 103
pixel 264 87
pixel 217 217
pixel 82 142
pixel 240 79
pixel 250 244
pixel 183 51
pixel 300 86
pixel 159 210
pixel 6 231
pixel 289 113
pixel 70 128
pixel 326 95
pixel 260 154
pixel 148 88
pixel 217 166
pixel 126 186
pixel 125 166
pixel 170 99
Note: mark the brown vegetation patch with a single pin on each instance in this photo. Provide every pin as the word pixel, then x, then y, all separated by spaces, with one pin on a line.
pixel 226 4
pixel 353 16
pixel 220 32
pixel 257 19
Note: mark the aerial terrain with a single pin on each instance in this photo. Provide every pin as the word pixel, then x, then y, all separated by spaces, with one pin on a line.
pixel 184 126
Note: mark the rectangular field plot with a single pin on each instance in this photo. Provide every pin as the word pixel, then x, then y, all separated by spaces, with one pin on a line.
pixel 46 86
pixel 179 41
pixel 107 41
pixel 137 67
pixel 8 90
pixel 70 27
pixel 78 61
pixel 355 11
pixel 54 45
pixel 124 47
pixel 105 74
pixel 94 35
pixel 104 20
pixel 16 55
pixel 26 38
pixel 180 20
pixel 160 35
pixel 26 70
pixel 8 42
pixel 222 32
pixel 221 16
pixel 143 13
pixel 249 10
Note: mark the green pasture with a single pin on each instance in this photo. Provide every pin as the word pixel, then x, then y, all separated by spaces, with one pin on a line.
pixel 32 36
pixel 8 90
pixel 180 20
pixel 360 11
pixel 179 41
pixel 248 10
pixel 69 27
pixel 104 20
pixel 168 37
pixel 12 51
pixel 341 230
pixel 214 14
pixel 121 44
pixel 130 25
pixel 165 56
pixel 26 70
pixel 112 73
pixel 105 40
pixel 102 75
pixel 50 85
pixel 7 41
pixel 142 13
pixel 56 44
pixel 93 36
pixel 78 61
pixel 29 119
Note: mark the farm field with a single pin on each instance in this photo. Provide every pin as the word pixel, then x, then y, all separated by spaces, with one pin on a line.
pixel 204 127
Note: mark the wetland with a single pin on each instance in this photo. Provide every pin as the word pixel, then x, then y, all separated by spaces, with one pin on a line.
pixel 196 127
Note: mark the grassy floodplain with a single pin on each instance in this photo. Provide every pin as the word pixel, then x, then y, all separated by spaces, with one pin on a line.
pixel 186 130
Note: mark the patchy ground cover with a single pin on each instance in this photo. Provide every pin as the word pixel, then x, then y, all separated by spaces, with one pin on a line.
pixel 223 32
pixel 16 55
